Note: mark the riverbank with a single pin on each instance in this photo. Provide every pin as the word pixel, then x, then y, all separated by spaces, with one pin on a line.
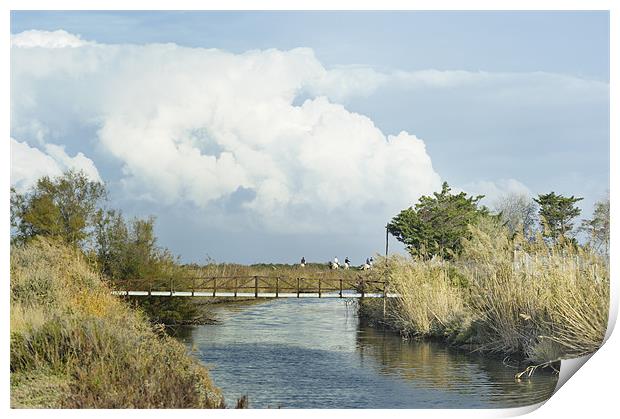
pixel 74 345
pixel 505 296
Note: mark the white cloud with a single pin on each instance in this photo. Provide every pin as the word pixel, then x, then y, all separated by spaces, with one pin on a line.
pixel 197 125
pixel 494 189
pixel 28 164
pixel 47 39
pixel 194 125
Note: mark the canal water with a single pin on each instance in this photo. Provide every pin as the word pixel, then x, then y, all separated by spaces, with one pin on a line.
pixel 313 353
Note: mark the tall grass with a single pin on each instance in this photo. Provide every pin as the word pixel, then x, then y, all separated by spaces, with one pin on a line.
pixel 75 345
pixel 508 295
pixel 547 302
pixel 428 303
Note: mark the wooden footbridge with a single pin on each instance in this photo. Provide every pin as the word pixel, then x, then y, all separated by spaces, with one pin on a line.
pixel 256 287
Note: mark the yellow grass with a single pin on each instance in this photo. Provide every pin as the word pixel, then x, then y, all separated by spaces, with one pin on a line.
pixel 542 302
pixel 75 345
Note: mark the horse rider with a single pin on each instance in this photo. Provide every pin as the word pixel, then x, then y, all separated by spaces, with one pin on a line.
pixel 347 263
pixel 303 261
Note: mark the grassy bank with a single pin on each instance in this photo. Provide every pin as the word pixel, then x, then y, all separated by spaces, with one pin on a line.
pixel 532 300
pixel 75 345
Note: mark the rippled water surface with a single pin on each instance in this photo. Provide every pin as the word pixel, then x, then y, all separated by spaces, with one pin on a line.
pixel 313 353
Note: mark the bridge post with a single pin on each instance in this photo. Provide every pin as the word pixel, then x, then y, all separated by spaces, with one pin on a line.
pixel 255 286
pixel 340 287
pixel 277 286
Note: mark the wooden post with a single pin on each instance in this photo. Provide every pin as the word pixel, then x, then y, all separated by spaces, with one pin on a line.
pixel 362 288
pixel 297 287
pixel 150 287
pixel 319 287
pixel 277 286
pixel 235 287
pixel 255 287
pixel 193 286
pixel 214 285
pixel 171 288
pixel 340 288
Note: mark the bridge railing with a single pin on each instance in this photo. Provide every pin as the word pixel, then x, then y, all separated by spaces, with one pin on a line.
pixel 255 284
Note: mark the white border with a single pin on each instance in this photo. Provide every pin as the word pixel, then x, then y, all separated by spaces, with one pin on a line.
pixel 592 393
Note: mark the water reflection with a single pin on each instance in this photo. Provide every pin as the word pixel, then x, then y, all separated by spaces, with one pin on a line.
pixel 314 353
pixel 431 364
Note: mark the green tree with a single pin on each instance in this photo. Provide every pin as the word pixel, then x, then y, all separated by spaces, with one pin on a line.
pixel 63 207
pixel 557 213
pixel 597 228
pixel 111 242
pixel 438 223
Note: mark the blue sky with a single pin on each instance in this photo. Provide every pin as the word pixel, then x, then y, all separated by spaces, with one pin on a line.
pixel 492 102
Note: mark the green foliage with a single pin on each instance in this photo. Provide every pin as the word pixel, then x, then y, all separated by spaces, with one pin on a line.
pixel 63 207
pixel 557 213
pixel 437 224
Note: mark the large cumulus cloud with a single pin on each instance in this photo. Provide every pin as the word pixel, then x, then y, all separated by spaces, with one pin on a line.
pixel 200 126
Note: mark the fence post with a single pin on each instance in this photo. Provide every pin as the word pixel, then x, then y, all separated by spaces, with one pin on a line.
pixel 362 288
pixel 171 288
pixel 193 286
pixel 297 287
pixel 235 287
pixel 340 288
pixel 319 287
pixel 255 287
pixel 150 287
pixel 214 285
pixel 277 286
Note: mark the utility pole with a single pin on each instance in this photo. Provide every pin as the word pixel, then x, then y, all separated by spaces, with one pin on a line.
pixel 386 272
pixel 386 243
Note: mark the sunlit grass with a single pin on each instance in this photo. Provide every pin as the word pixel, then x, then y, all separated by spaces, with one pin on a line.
pixel 75 345
pixel 543 302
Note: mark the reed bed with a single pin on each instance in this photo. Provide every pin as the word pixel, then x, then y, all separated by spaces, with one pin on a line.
pixel 539 301
pixel 75 345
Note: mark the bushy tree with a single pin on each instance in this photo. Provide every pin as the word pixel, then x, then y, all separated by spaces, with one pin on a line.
pixel 557 213
pixel 63 207
pixel 438 223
